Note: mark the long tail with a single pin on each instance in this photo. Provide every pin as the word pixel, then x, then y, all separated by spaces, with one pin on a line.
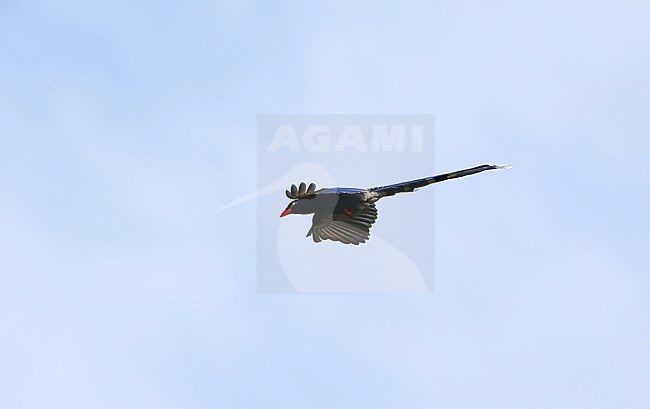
pixel 411 185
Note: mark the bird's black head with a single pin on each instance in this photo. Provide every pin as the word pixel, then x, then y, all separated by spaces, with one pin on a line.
pixel 289 208
pixel 301 196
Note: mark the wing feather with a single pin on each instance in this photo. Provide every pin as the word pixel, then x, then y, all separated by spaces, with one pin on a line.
pixel 343 232
pixel 354 229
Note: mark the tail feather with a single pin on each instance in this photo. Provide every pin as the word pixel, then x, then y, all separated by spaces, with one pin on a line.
pixel 390 190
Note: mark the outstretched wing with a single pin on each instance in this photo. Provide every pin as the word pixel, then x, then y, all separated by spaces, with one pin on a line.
pixel 353 228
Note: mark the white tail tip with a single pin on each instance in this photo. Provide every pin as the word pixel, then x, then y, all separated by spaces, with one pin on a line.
pixel 504 166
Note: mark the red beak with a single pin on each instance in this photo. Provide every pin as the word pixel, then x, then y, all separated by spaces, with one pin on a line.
pixel 286 212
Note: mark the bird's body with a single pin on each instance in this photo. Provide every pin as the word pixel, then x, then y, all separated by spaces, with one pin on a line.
pixel 347 214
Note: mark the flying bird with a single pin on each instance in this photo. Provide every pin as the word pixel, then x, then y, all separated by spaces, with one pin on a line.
pixel 347 214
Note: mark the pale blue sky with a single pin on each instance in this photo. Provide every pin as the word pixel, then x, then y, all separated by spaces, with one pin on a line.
pixel 124 125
